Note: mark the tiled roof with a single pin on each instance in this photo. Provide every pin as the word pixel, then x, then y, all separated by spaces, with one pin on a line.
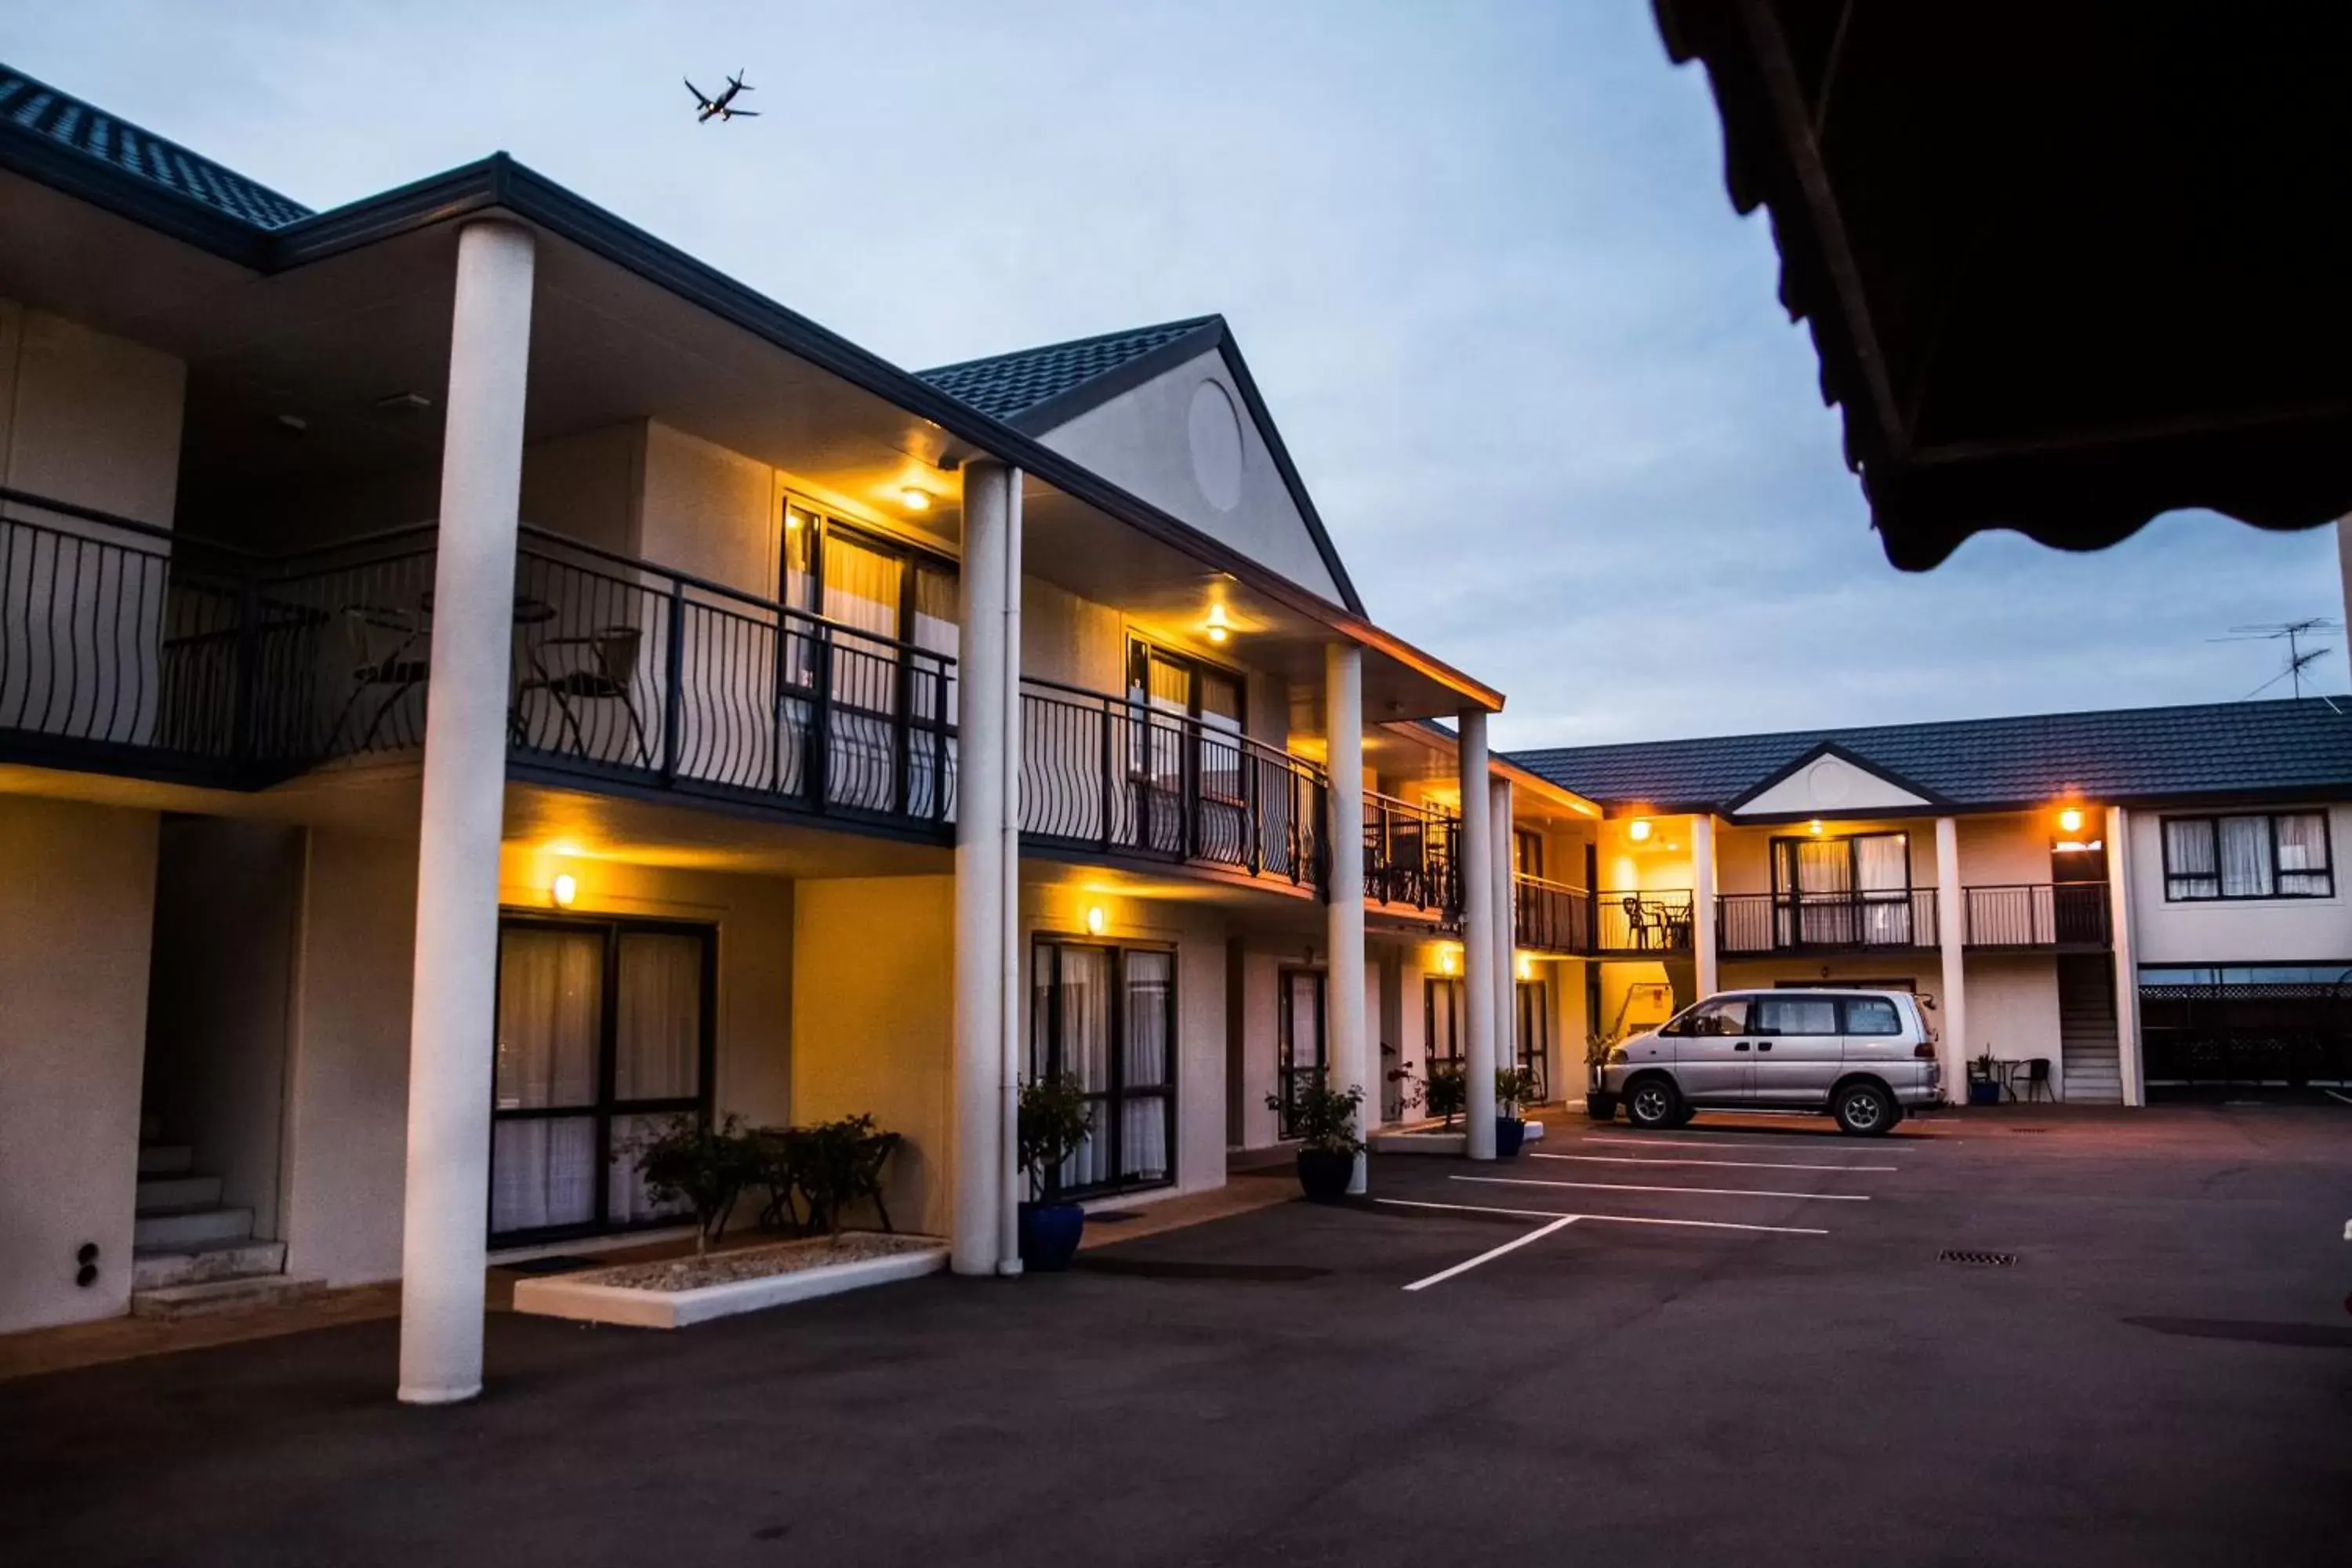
pixel 1005 386
pixel 2122 754
pixel 93 132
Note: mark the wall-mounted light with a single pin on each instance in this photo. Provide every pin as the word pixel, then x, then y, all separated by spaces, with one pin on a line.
pixel 795 518
pixel 1097 919
pixel 1218 627
pixel 2071 820
pixel 1527 967
pixel 1638 830
pixel 1448 962
pixel 1814 827
pixel 914 498
pixel 563 889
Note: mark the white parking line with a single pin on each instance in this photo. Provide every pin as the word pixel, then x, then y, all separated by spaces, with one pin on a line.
pixel 1603 1218
pixel 1694 1191
pixel 1727 1164
pixel 1818 1145
pixel 1443 1275
pixel 2332 1095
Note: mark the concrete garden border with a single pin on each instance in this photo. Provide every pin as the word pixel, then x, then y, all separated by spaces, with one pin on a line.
pixel 585 1296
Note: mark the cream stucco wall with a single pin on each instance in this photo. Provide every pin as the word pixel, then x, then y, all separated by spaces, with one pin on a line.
pixel 76 906
pixel 2251 930
pixel 2012 1008
pixel 1743 856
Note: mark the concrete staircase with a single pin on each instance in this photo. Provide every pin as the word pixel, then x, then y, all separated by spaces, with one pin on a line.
pixel 190 1252
pixel 2087 1030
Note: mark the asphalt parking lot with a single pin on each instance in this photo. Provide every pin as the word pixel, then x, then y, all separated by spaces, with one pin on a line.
pixel 1740 1343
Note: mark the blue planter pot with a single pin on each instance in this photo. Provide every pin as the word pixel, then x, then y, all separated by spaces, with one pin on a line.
pixel 1509 1133
pixel 1324 1173
pixel 1984 1094
pixel 1049 1236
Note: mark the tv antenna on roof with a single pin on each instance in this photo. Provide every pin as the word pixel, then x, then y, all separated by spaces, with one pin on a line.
pixel 2298 659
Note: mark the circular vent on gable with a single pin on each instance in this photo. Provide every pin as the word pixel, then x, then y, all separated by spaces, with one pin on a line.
pixel 1215 430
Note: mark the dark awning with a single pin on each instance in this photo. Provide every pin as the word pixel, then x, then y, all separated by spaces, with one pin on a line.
pixel 2068 263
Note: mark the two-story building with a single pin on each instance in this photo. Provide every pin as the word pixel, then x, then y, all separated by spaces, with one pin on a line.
pixel 2142 901
pixel 475 682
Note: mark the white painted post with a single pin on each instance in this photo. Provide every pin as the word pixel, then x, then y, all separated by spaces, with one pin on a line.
pixel 1951 942
pixel 1478 937
pixel 976 1085
pixel 1343 987
pixel 2119 913
pixel 1504 975
pixel 451 1027
pixel 1013 983
pixel 1706 971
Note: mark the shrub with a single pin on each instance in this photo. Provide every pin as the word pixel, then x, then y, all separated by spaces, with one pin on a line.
pixel 1448 1092
pixel 1513 1087
pixel 1055 1117
pixel 1325 1117
pixel 687 1161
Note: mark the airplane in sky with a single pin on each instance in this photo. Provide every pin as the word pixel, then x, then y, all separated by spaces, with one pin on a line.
pixel 720 108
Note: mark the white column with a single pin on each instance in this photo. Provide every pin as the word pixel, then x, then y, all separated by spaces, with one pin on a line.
pixel 1706 972
pixel 1478 937
pixel 976 1085
pixel 2119 919
pixel 1951 944
pixel 1343 986
pixel 450 1026
pixel 1013 983
pixel 1505 972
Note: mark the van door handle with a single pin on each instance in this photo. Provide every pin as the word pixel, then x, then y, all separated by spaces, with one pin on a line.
pixel 1740 1046
pixel 1763 1044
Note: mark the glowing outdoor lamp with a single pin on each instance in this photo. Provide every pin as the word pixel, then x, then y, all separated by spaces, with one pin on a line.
pixel 563 889
pixel 1096 920
pixel 1638 830
pixel 2071 819
pixel 1219 628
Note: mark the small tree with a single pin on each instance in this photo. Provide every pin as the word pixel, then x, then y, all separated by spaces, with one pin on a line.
pixel 1325 1117
pixel 1513 1087
pixel 1448 1091
pixel 688 1161
pixel 1055 1117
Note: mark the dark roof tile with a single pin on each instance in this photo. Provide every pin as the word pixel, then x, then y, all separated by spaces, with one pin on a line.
pixel 96 134
pixel 1005 386
pixel 2122 754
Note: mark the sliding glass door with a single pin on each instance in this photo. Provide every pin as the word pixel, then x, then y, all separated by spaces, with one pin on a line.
pixel 604 1033
pixel 1106 1016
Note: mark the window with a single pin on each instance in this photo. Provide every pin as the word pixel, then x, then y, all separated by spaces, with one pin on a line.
pixel 1301 1042
pixel 1107 1016
pixel 1724 1016
pixel 1872 1016
pixel 1796 1015
pixel 603 1034
pixel 1527 852
pixel 1852 892
pixel 2275 855
pixel 1443 1020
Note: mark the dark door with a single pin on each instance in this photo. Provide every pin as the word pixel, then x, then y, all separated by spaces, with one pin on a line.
pixel 1300 1043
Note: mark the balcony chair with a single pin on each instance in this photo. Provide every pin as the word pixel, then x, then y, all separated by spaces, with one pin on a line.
pixel 2037 1080
pixel 387 655
pixel 596 666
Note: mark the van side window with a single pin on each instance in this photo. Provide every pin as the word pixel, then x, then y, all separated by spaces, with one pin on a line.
pixel 1872 1016
pixel 1796 1015
pixel 1725 1015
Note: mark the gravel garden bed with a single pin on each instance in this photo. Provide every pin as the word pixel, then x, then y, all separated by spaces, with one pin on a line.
pixel 675 1292
pixel 755 1262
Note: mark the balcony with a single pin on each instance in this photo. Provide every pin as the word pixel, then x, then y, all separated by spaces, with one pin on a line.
pixel 1760 925
pixel 128 649
pixel 1652 924
pixel 2039 917
pixel 1411 855
pixel 1550 917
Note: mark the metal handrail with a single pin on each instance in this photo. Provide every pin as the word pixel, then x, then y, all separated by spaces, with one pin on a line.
pixel 1554 916
pixel 1412 853
pixel 1643 920
pixel 1887 917
pixel 2036 914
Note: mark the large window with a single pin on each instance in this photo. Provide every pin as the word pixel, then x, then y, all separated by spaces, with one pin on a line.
pixel 1107 1015
pixel 1841 892
pixel 604 1033
pixel 2273 855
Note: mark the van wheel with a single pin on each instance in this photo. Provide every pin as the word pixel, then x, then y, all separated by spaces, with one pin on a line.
pixel 1863 1111
pixel 1653 1105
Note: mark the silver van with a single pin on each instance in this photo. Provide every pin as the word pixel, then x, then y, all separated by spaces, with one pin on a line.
pixel 1865 1056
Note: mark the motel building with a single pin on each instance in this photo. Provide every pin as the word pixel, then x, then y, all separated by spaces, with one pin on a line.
pixel 475 682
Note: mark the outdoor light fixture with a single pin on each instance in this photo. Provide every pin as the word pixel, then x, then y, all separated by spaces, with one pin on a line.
pixel 2071 820
pixel 915 498
pixel 1814 827
pixel 1096 920
pixel 1638 830
pixel 1446 961
pixel 563 889
pixel 1218 628
pixel 1527 967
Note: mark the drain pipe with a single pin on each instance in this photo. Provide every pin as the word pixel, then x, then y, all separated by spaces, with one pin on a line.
pixel 1015 1179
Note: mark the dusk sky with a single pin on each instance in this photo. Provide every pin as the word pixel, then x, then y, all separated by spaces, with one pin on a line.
pixel 1479 256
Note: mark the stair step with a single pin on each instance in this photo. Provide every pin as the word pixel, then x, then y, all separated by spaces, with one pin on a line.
pixel 159 1232
pixel 222 1295
pixel 185 1190
pixel 165 1159
pixel 237 1259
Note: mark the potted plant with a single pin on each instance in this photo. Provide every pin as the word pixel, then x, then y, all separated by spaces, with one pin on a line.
pixel 688 1162
pixel 1446 1093
pixel 1513 1087
pixel 1598 1103
pixel 1984 1079
pixel 1327 1143
pixel 1055 1117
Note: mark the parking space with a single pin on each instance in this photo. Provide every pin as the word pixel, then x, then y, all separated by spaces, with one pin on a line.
pixel 2007 1336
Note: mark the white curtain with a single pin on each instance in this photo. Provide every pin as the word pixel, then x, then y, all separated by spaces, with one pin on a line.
pixel 1145 1065
pixel 551 1013
pixel 1086 1053
pixel 542 1172
pixel 2189 859
pixel 1882 867
pixel 2303 869
pixel 2246 857
pixel 657 1037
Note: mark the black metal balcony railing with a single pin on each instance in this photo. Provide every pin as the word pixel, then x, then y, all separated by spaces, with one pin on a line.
pixel 1652 922
pixel 2040 915
pixel 1412 855
pixel 1755 923
pixel 1116 774
pixel 1551 916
